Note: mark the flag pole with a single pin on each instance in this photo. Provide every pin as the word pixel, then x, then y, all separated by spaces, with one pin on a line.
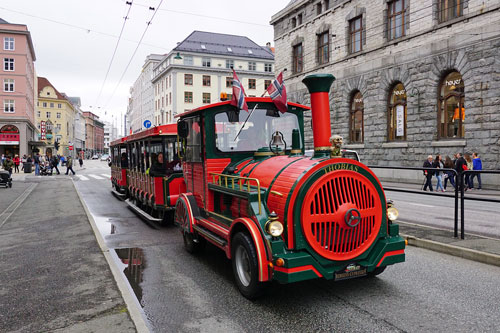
pixel 245 122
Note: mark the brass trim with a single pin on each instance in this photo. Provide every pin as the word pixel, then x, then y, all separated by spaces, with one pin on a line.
pixel 295 151
pixel 322 148
pixel 276 193
pixel 222 180
pixel 221 216
pixel 263 153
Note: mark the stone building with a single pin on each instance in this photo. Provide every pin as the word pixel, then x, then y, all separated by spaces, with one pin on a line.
pixel 413 78
pixel 200 67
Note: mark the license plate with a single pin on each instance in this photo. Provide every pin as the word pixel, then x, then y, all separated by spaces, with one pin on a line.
pixel 349 275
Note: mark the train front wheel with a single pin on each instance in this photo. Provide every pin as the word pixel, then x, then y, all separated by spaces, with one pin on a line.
pixel 245 266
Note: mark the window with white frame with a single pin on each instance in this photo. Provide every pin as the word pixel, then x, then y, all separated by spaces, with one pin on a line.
pixel 38 114
pixel 188 60
pixel 52 105
pixel 48 114
pixel 8 105
pixel 8 64
pixel 59 106
pixel 205 62
pixel 252 66
pixel 268 68
pixel 8 85
pixel 229 64
pixel 58 127
pixel 8 43
pixel 44 104
pixel 58 115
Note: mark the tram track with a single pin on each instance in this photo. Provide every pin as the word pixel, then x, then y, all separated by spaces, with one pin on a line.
pixel 7 213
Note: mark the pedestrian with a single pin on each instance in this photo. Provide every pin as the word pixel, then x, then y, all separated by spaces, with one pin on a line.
pixel 69 165
pixel 80 160
pixel 63 161
pixel 23 160
pixel 8 165
pixel 37 164
pixel 438 163
pixel 449 175
pixel 476 165
pixel 428 173
pixel 3 158
pixel 55 161
pixel 460 167
pixel 16 161
pixel 468 159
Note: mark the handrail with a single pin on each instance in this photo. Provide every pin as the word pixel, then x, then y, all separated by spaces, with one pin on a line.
pixel 240 183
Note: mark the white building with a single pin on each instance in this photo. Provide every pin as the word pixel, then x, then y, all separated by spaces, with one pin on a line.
pixel 110 134
pixel 141 104
pixel 79 138
pixel 199 69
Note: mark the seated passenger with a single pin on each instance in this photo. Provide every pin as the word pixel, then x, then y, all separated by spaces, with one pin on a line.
pixel 124 161
pixel 157 169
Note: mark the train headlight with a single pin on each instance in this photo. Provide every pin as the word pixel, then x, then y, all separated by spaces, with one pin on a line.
pixel 392 213
pixel 273 226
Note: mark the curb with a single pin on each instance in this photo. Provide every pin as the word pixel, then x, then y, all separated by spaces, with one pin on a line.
pixel 470 254
pixel 134 308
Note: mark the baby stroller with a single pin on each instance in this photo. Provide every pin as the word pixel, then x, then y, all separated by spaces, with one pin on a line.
pixel 5 179
pixel 45 169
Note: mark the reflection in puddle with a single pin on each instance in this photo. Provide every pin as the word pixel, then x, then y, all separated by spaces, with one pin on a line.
pixel 133 263
pixel 105 225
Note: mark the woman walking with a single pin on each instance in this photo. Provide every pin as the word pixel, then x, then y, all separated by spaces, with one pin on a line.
pixel 468 159
pixel 16 161
pixel 449 175
pixel 438 163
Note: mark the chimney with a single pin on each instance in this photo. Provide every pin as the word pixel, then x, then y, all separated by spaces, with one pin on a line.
pixel 319 88
pixel 268 45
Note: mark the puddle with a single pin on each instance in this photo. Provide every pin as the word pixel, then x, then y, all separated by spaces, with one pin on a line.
pixel 132 263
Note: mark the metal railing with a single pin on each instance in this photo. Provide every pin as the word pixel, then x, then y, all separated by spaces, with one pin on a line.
pixel 459 190
pixel 237 183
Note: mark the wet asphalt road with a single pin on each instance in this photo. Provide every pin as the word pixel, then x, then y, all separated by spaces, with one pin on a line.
pixel 186 293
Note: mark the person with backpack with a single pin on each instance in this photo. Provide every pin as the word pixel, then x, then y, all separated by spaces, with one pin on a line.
pixel 460 167
pixel 476 165
pixel 69 165
pixel 8 165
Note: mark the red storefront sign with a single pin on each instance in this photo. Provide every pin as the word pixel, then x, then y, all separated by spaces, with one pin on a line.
pixel 42 130
pixel 9 139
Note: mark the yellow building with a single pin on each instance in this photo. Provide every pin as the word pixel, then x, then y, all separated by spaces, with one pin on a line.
pixel 55 119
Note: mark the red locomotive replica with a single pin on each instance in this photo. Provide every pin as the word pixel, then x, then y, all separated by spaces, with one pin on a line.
pixel 249 189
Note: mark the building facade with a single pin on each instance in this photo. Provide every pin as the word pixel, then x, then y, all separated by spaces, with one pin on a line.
pixel 79 140
pixel 141 104
pixel 55 118
pixel 413 78
pixel 199 69
pixel 18 93
pixel 94 135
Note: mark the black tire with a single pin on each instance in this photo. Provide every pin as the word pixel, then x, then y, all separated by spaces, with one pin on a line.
pixel 168 217
pixel 377 271
pixel 10 185
pixel 192 244
pixel 245 266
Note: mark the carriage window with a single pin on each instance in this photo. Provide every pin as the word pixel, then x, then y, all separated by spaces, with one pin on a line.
pixel 256 132
pixel 193 141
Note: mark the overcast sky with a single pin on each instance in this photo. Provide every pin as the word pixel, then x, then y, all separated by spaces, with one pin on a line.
pixel 74 39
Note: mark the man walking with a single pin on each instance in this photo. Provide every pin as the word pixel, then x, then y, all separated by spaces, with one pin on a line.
pixel 8 165
pixel 55 161
pixel 460 166
pixel 428 173
pixel 37 164
pixel 476 165
pixel 69 165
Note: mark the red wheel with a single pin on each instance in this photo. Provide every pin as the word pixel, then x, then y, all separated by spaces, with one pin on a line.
pixel 184 218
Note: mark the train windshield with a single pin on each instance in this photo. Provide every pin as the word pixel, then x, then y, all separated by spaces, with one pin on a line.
pixel 239 132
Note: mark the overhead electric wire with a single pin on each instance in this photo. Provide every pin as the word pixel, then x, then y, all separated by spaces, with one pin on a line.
pixel 116 48
pixel 135 51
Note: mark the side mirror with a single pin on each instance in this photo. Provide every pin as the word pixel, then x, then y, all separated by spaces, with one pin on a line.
pixel 182 128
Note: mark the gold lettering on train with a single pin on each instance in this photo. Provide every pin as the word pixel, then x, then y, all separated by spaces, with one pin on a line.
pixel 341 166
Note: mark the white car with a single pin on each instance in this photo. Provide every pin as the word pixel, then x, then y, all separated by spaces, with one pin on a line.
pixel 104 157
pixel 95 157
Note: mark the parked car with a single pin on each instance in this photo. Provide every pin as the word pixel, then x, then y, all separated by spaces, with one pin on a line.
pixel 95 157
pixel 104 157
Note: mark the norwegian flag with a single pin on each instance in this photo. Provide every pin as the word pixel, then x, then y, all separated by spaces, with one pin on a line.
pixel 238 98
pixel 277 91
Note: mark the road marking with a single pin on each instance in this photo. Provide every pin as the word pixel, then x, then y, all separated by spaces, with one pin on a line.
pixel 96 177
pixel 105 175
pixel 16 203
pixel 83 177
pixel 422 205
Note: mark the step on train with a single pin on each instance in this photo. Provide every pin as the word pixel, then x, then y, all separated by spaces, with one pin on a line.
pixel 242 181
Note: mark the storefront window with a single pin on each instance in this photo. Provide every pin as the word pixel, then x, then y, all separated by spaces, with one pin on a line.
pixel 451 114
pixel 397 114
pixel 356 119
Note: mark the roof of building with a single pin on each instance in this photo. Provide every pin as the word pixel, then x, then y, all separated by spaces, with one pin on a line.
pixel 230 45
pixel 43 82
pixel 2 21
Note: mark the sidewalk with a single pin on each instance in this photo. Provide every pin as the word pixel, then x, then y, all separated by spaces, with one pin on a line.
pixel 54 276
pixel 450 191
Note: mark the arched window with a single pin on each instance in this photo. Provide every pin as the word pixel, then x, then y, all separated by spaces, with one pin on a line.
pixel 356 133
pixel 451 113
pixel 396 127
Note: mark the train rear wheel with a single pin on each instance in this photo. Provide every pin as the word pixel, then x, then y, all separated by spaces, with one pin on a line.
pixel 193 245
pixel 245 266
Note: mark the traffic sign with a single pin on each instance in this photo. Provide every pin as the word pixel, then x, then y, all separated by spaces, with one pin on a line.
pixel 147 123
pixel 70 147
